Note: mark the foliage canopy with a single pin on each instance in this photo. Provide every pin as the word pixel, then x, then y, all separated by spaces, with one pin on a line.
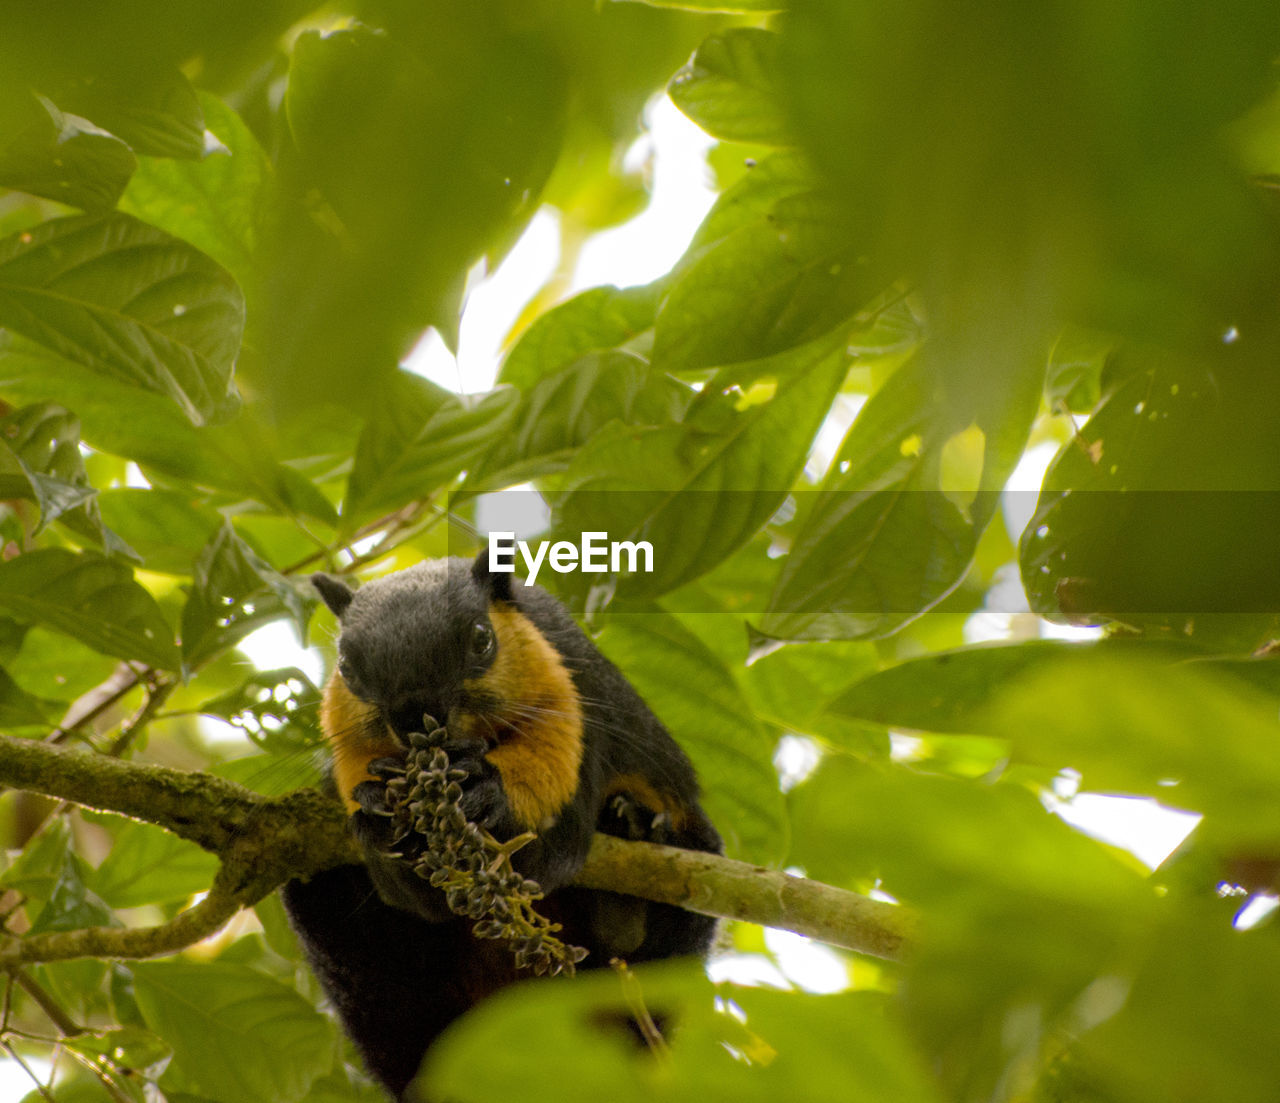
pixel 987 230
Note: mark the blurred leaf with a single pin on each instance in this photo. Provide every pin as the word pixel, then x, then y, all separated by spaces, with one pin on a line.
pixel 55 666
pixel 701 489
pixel 894 529
pixel 279 935
pixel 1112 124
pixel 20 709
pixel 156 112
pixel 148 865
pixel 714 5
pixel 561 412
pixel 215 202
pixel 753 199
pixel 930 839
pixel 729 88
pixel 1153 1049
pixel 36 870
pixel 696 698
pixel 1160 511
pixel 791 1046
pixel 91 598
pixel 794 687
pixel 1186 734
pixel 129 302
pixel 235 1033
pixel 377 240
pixel 65 157
pixel 954 691
pixel 1076 365
pixel 769 285
pixel 136 1050
pixel 420 438
pixel 593 321
pixel 273 775
pixel 233 592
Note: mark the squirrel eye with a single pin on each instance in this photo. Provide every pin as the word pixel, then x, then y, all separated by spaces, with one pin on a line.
pixel 483 641
pixel 345 670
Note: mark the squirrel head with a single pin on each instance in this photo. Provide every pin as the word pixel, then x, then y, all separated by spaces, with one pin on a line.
pixel 409 641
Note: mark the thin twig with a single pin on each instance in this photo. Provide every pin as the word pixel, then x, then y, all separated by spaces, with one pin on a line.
pixel 53 1012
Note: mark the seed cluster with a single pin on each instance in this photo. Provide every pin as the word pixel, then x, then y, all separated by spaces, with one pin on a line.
pixel 468 864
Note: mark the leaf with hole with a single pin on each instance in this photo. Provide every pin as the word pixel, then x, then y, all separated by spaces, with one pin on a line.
pixel 233 592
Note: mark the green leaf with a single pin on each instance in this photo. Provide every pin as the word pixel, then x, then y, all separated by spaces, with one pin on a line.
pixel 1153 1049
pixel 148 865
pixel 746 1044
pixel 137 1050
pixel 1188 734
pixel 55 666
pixel 233 592
pixel 20 709
pixel 236 458
pixel 235 1033
pixel 1021 913
pixel 40 445
pixel 714 5
pixel 953 691
pixel 798 688
pixel 699 490
pixel 420 438
pixel 730 88
pixel 695 696
pixel 374 240
pixel 72 905
pixel 91 598
pixel 1076 364
pixel 40 460
pixel 65 157
pixel 562 411
pixel 217 202
pixel 156 111
pixel 754 198
pixel 594 321
pixel 35 872
pixel 167 528
pixel 277 709
pixel 129 302
pixel 899 515
pixel 773 283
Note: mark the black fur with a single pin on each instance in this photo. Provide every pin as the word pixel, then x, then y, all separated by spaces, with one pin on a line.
pixel 396 964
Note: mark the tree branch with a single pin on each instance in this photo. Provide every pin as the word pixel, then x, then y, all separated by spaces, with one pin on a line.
pixel 712 885
pixel 265 841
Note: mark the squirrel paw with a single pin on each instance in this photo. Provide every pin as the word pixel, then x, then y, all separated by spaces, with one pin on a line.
pixel 627 818
pixel 483 800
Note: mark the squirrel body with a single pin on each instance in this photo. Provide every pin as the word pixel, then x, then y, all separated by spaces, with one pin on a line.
pixel 553 740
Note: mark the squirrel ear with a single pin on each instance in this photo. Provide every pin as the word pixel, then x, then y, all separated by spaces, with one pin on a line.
pixel 498 583
pixel 333 592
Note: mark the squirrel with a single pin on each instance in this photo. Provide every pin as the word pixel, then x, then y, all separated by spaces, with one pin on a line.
pixel 552 739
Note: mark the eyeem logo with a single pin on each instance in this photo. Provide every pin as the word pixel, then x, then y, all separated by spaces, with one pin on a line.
pixel 596 555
